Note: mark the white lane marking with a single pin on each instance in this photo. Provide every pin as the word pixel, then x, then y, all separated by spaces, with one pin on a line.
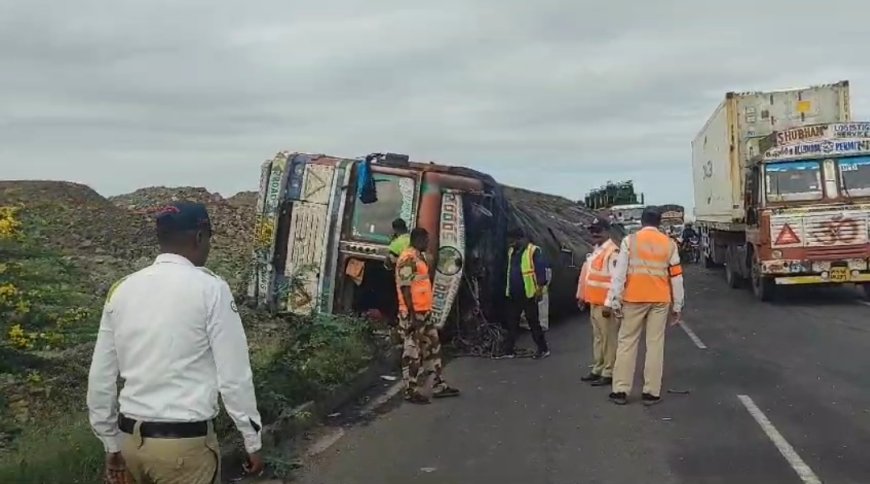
pixel 382 399
pixel 327 440
pixel 694 337
pixel 803 470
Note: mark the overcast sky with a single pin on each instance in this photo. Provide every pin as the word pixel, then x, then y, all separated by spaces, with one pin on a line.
pixel 557 96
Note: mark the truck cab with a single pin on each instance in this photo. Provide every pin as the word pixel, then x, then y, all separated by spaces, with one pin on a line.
pixel 321 246
pixel 808 208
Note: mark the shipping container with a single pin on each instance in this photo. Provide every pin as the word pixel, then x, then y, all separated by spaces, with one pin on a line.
pixel 729 139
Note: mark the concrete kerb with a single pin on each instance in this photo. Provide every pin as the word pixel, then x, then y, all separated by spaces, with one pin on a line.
pixel 297 420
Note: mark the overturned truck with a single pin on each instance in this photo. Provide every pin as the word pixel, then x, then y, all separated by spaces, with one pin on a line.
pixel 324 226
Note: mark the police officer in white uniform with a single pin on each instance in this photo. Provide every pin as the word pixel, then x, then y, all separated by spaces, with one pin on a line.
pixel 172 332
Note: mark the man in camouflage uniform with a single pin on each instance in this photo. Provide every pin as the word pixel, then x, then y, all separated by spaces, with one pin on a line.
pixel 421 358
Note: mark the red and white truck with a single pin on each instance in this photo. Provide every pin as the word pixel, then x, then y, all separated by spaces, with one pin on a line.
pixel 782 189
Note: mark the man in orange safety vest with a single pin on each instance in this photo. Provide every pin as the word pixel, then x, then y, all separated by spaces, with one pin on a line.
pixel 646 291
pixel 421 355
pixel 592 289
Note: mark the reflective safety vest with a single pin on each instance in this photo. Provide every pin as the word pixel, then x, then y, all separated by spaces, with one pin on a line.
pixel 527 267
pixel 648 279
pixel 597 281
pixel 399 244
pixel 421 286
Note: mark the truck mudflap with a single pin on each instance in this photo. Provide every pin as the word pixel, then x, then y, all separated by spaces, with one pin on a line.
pixel 451 247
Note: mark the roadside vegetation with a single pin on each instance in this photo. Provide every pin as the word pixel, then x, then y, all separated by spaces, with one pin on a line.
pixel 61 248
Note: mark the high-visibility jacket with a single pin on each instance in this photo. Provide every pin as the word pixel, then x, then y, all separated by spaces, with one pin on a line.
pixel 648 278
pixel 399 244
pixel 411 267
pixel 527 267
pixel 597 281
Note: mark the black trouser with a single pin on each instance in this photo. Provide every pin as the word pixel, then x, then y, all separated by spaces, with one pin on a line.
pixel 515 308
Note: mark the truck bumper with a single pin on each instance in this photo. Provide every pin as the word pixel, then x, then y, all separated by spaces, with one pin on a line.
pixel 818 279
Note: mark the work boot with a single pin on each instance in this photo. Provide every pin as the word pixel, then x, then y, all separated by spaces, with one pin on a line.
pixel 507 355
pixel 540 355
pixel 619 398
pixel 604 381
pixel 591 377
pixel 649 399
pixel 417 399
pixel 446 391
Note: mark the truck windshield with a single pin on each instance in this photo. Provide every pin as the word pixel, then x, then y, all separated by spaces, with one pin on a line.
pixel 373 222
pixel 855 175
pixel 793 180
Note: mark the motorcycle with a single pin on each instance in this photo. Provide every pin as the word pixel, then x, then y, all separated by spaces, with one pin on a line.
pixel 690 250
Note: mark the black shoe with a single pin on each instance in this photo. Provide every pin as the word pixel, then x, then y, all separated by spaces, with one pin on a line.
pixel 619 398
pixel 445 392
pixel 649 400
pixel 603 382
pixel 505 356
pixel 417 399
pixel 590 377
pixel 540 355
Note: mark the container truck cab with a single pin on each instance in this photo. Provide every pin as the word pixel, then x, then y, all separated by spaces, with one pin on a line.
pixel 807 208
pixel 775 202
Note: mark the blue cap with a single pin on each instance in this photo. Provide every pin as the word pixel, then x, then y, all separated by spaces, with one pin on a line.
pixel 183 217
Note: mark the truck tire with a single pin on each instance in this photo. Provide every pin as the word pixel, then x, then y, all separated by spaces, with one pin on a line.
pixel 865 290
pixel 734 280
pixel 763 288
pixel 708 261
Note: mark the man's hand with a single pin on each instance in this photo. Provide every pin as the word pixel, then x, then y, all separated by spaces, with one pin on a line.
pixel 676 318
pixel 255 465
pixel 539 293
pixel 116 469
pixel 606 312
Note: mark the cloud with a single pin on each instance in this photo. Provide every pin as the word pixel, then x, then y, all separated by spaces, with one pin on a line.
pixel 550 95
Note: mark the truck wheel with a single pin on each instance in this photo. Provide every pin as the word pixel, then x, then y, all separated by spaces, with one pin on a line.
pixel 732 277
pixel 762 287
pixel 865 289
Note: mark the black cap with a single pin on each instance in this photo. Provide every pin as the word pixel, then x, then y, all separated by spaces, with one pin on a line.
pixel 183 217
pixel 598 225
pixel 652 215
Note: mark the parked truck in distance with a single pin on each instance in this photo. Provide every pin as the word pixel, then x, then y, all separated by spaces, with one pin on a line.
pixel 782 189
pixel 611 194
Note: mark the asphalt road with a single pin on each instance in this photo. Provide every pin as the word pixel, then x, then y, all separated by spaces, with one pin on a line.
pixel 802 364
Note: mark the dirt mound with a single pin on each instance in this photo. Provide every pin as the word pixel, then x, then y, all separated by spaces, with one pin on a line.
pixel 144 199
pixel 246 200
pixel 77 220
pixel 232 220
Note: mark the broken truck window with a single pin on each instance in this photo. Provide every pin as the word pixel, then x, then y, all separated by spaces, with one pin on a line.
pixel 373 222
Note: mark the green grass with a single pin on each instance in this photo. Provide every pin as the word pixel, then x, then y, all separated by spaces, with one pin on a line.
pixel 44 433
pixel 63 452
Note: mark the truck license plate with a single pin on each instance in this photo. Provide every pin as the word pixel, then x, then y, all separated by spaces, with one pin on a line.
pixel 839 274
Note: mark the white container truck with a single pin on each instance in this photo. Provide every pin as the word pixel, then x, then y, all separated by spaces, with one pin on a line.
pixel 776 175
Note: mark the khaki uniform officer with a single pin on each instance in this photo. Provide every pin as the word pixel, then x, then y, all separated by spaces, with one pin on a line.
pixel 647 288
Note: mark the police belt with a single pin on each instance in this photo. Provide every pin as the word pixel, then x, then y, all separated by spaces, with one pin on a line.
pixel 164 430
